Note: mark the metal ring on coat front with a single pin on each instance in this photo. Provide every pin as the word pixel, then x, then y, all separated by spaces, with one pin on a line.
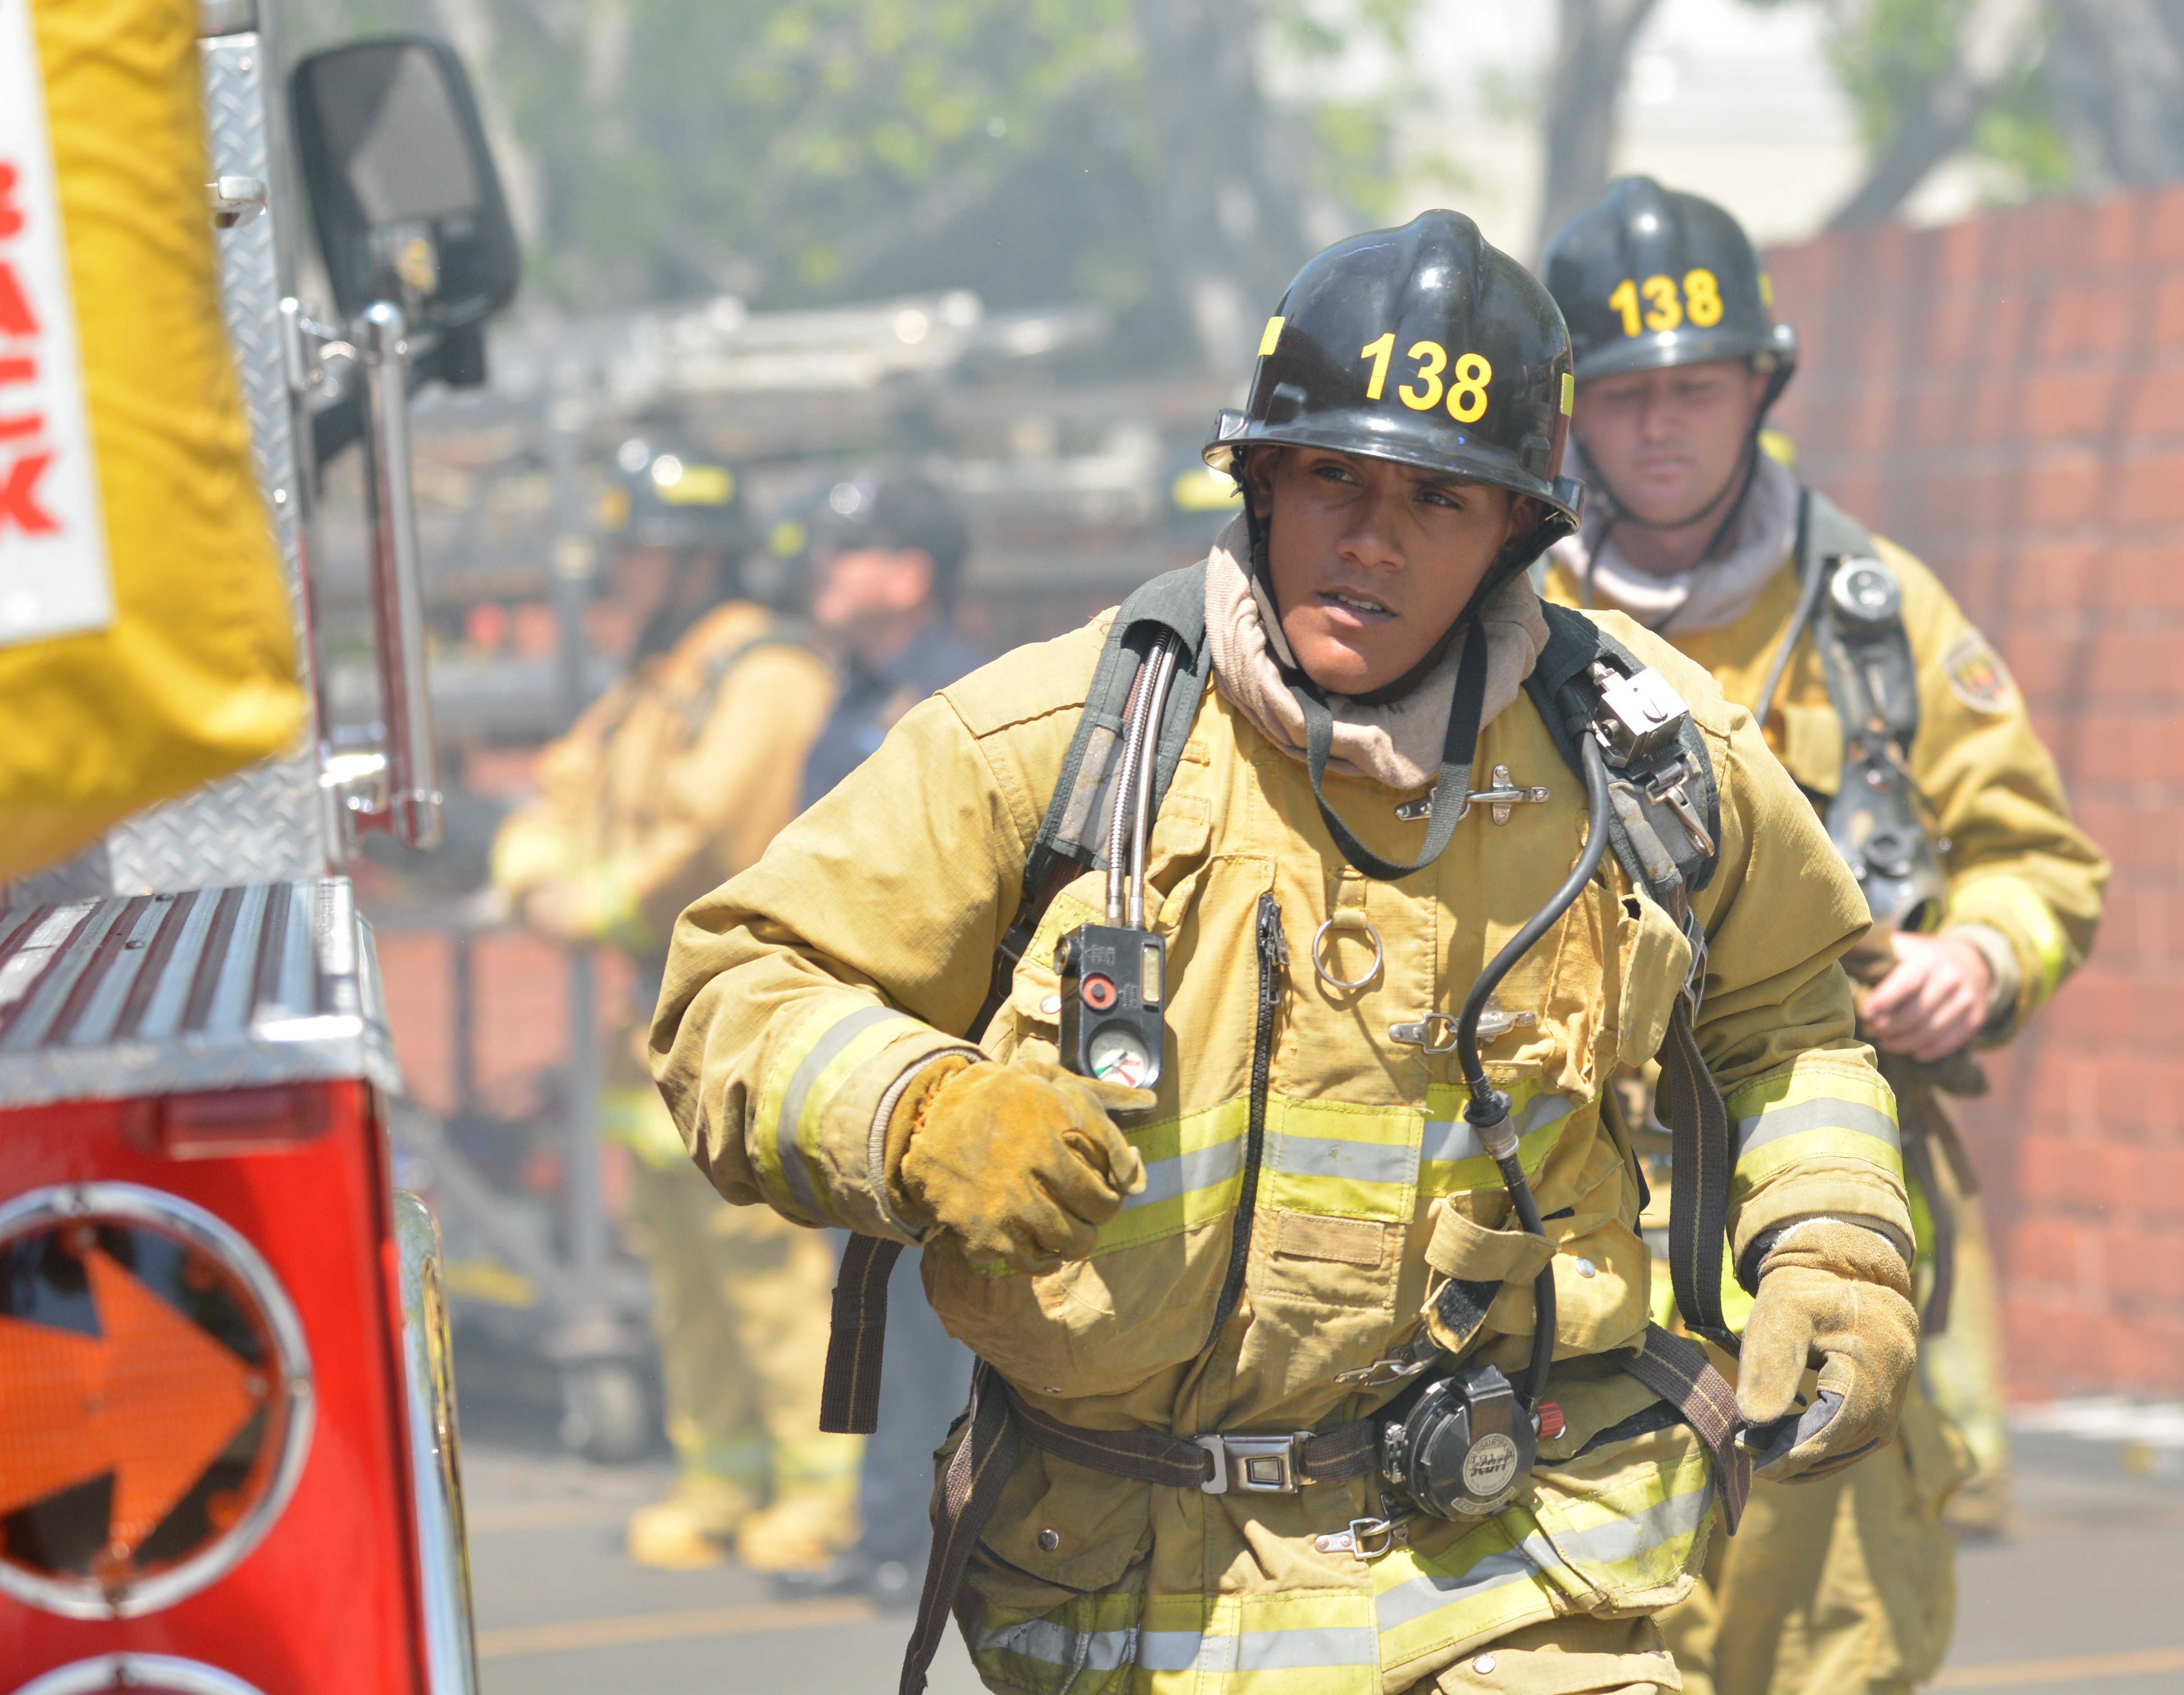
pixel 1349 922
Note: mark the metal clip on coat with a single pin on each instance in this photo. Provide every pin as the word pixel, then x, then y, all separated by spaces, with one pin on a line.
pixel 1114 976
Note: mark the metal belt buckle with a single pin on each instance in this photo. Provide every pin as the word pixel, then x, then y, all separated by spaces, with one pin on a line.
pixel 1257 1465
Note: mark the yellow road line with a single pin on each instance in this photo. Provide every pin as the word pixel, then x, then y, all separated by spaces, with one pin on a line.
pixel 2007 1673
pixel 512 1639
pixel 2065 1524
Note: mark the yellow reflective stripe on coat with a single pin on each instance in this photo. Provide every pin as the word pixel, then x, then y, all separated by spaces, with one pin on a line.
pixel 1588 1540
pixel 2017 910
pixel 1094 1634
pixel 1194 1174
pixel 1309 1643
pixel 813 1065
pixel 1635 1530
pixel 1811 1113
pixel 1321 1157
pixel 1452 1159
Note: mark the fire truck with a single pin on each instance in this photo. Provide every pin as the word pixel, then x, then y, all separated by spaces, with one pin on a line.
pixel 227 1432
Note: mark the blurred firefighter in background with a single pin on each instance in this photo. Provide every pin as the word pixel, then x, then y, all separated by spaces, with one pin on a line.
pixel 1899 722
pixel 887 555
pixel 673 781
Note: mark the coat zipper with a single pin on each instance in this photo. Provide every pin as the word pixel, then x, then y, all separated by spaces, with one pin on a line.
pixel 1273 952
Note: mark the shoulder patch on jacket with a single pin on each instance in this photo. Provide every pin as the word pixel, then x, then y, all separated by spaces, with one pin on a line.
pixel 1975 674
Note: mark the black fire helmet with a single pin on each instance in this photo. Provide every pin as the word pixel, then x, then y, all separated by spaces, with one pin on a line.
pixel 670 492
pixel 1427 346
pixel 1647 277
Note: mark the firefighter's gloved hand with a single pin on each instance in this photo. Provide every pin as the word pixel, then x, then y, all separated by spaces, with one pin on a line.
pixel 1841 1293
pixel 1021 1162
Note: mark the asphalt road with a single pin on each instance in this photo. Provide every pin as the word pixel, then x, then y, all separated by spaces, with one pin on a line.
pixel 2083 1596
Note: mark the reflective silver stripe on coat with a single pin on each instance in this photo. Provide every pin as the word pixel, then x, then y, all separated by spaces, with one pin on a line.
pixel 1431 1592
pixel 1332 1157
pixel 1763 1128
pixel 801 1083
pixel 1631 1538
pixel 1448 1140
pixel 1053 1644
pixel 1195 1168
pixel 1612 1543
pixel 1329 1645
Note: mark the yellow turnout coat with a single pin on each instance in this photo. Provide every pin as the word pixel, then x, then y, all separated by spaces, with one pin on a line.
pixel 800 996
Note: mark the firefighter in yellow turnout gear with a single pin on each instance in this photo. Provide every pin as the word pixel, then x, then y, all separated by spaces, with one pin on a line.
pixel 679 775
pixel 1986 895
pixel 1301 1226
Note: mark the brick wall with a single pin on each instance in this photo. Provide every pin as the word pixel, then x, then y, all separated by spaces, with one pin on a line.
pixel 2005 397
pixel 519 986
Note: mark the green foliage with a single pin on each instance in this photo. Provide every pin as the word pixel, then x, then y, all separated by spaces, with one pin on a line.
pixel 799 151
pixel 1885 52
pixel 1348 157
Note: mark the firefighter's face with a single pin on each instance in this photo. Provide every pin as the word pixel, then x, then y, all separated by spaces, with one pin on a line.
pixel 1373 561
pixel 860 589
pixel 1667 441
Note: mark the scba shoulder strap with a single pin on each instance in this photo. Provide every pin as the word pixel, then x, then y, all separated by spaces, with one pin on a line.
pixel 1879 818
pixel 1864 650
pixel 1071 839
pixel 1665 830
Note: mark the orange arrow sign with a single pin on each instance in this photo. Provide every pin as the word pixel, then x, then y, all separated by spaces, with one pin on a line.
pixel 152 1399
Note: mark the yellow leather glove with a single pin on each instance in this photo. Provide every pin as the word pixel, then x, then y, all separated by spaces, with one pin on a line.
pixel 1841 1293
pixel 1021 1161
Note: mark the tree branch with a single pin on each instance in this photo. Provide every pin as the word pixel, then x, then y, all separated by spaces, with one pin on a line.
pixel 1992 43
pixel 1581 112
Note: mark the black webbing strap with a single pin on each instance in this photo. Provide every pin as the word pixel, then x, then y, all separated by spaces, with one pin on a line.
pixel 978 1471
pixel 1347 1451
pixel 1680 1374
pixel 999 1421
pixel 1459 743
pixel 1702 1157
pixel 1851 658
pixel 1690 1100
pixel 782 633
pixel 1071 840
pixel 856 1345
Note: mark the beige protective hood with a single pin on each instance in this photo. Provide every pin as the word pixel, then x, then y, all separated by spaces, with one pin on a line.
pixel 1397 742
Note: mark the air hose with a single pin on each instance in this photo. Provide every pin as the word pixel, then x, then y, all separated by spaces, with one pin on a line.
pixel 1488 1111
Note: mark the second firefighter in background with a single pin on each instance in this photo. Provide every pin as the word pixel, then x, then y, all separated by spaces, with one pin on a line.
pixel 676 778
pixel 1899 722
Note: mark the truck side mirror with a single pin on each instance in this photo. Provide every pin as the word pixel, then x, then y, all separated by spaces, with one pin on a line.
pixel 420 251
pixel 405 194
